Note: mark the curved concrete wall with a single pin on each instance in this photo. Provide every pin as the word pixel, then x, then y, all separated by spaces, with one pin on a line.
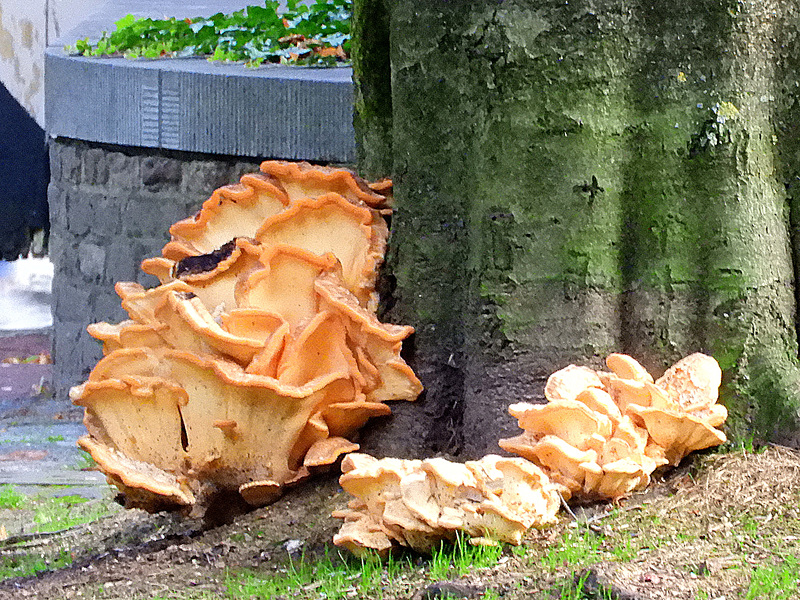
pixel 197 106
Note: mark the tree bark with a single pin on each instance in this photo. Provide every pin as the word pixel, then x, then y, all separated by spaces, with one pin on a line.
pixel 577 178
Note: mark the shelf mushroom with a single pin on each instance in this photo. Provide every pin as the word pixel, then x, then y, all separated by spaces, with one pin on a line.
pixel 602 434
pixel 419 503
pixel 259 355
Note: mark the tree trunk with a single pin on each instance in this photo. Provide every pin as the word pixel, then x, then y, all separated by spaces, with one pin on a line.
pixel 577 178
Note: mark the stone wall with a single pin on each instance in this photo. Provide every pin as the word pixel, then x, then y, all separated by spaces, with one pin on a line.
pixel 111 207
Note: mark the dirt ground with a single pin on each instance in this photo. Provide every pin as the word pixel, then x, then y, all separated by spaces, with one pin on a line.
pixel 700 531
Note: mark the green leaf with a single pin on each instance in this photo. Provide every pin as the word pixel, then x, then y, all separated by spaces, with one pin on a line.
pixel 125 21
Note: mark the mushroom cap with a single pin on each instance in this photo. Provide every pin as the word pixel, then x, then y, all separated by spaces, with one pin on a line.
pixel 600 401
pixel 320 349
pixel 344 418
pixel 232 211
pixel 620 478
pixel 679 434
pixel 140 304
pixel 239 343
pixel 165 488
pixel 627 367
pixel 302 180
pixel 693 382
pixel 331 224
pixel 419 503
pixel 328 451
pixel 556 455
pixel 228 413
pixel 256 324
pixel 418 492
pixel 216 283
pixel 160 267
pixel 567 383
pixel 525 490
pixel 285 284
pixel 387 376
pixel 628 391
pixel 127 334
pixel 571 420
pixel 187 313
pixel 714 415
pixel 260 493
pixel 361 537
pixel 266 362
pixel 139 417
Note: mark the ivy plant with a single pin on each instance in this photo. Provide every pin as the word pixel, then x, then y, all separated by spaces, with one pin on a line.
pixel 317 34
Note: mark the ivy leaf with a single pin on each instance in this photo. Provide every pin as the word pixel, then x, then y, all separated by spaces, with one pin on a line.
pixel 125 21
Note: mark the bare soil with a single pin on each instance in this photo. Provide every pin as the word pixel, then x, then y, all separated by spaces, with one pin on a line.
pixel 699 531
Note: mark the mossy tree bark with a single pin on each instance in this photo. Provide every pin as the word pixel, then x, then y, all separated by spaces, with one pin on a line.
pixel 576 178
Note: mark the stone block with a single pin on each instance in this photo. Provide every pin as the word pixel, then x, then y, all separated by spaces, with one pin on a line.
pixel 193 106
pixel 92 260
pixel 161 172
pixel 88 351
pixel 71 300
pixel 57 202
pixel 94 166
pixel 122 262
pixel 66 357
pixel 145 216
pixel 91 211
pixel 241 168
pixel 201 177
pixel 106 305
pixel 68 159
pixel 124 171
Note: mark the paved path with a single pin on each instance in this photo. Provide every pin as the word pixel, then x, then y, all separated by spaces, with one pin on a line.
pixel 38 453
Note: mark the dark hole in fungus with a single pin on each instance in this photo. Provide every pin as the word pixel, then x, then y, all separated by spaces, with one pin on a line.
pixel 184 435
pixel 192 265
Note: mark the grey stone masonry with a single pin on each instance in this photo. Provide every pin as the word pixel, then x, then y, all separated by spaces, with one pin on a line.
pixel 111 207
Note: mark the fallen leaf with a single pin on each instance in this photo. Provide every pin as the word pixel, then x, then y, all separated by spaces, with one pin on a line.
pixel 24 455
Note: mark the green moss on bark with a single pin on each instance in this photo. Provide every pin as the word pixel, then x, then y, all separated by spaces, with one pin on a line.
pixel 373 90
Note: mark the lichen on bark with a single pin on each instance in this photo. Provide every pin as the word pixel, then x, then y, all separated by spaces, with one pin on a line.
pixel 576 178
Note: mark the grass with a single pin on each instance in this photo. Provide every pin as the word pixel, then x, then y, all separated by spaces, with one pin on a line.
pixel 25 565
pixel 461 557
pixel 52 513
pixel 85 462
pixel 336 577
pixel 329 578
pixel 11 498
pixel 41 514
pixel 774 582
pixel 578 589
pixel 577 548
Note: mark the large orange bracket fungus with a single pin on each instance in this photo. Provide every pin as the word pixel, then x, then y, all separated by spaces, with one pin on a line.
pixel 259 355
pixel 419 503
pixel 602 434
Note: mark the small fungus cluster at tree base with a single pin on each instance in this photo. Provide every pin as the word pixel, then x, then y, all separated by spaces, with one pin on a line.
pixel 600 436
pixel 259 355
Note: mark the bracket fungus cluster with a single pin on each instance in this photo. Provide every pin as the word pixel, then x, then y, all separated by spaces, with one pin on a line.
pixel 259 354
pixel 602 434
pixel 419 503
